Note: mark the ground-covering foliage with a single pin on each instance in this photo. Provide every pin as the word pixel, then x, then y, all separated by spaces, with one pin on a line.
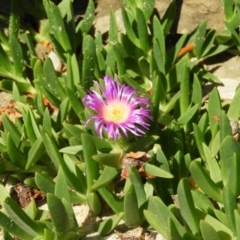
pixel 121 122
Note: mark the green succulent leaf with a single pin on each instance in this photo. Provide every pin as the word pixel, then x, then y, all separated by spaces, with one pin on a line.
pixel 58 214
pixel 187 207
pixel 212 165
pixel 115 203
pixel 159 57
pixel 168 18
pixel 101 60
pixel 5 62
pixel 14 21
pixel 110 62
pixel 228 9
pixel 147 7
pixel 157 97
pixel 119 54
pixel 94 203
pixel 108 225
pixel 92 167
pixel 58 160
pixel 102 145
pixel 173 232
pixel 230 205
pixel 47 185
pixel 31 126
pixel 44 183
pixel 64 110
pixel 159 35
pixel 221 216
pixel 73 73
pixel 16 156
pixel 12 227
pixel 234 111
pixel 142 30
pixel 107 175
pixel 187 116
pixel 47 124
pixel 157 213
pixel 196 91
pixel 16 93
pixel 199 39
pixel 86 23
pixel 35 153
pixel 61 188
pixel 234 34
pixel 21 218
pixel 215 145
pixel 113 30
pixel 31 209
pixel 15 134
pixel 237 219
pixel 17 57
pixel 71 150
pixel 157 171
pixel 204 181
pixel 144 143
pixel 89 59
pixel 155 222
pixel 208 232
pixel 199 138
pixel 73 130
pixel 225 127
pixel 184 87
pixel 4 193
pixel 131 212
pixel 128 26
pixel 234 181
pixel 201 201
pixel 214 108
pixel 208 43
pixel 56 25
pixel 109 159
pixel 53 82
pixel 23 86
pixel 228 147
pixel 222 230
pixel 138 187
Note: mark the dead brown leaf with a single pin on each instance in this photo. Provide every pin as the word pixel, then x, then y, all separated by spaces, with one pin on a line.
pixel 46 102
pixel 10 110
pixel 137 159
pixel 23 195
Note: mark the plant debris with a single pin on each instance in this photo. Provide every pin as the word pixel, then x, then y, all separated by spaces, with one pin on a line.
pixel 23 195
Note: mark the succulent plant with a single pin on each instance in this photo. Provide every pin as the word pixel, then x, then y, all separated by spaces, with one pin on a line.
pixel 118 121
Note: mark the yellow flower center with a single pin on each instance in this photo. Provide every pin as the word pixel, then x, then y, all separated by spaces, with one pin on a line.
pixel 116 112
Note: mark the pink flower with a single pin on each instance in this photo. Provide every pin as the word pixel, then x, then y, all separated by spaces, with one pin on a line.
pixel 119 109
